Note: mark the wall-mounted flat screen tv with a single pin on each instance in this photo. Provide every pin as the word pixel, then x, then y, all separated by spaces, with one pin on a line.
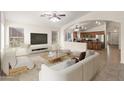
pixel 38 38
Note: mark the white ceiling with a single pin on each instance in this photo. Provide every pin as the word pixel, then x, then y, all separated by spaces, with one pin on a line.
pixel 33 17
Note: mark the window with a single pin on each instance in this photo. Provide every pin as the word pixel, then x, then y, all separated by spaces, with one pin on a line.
pixel 68 36
pixel 54 37
pixel 16 36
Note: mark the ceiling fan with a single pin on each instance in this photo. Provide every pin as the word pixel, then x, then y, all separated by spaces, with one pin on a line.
pixel 78 28
pixel 53 16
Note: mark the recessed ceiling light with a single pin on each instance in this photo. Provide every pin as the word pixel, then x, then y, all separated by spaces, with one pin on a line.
pixel 82 27
pixel 115 30
pixel 85 28
pixel 98 23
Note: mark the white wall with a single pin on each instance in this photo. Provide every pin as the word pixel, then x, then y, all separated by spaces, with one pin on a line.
pixel 0 40
pixel 27 30
pixel 113 38
pixel 112 16
pixel 2 34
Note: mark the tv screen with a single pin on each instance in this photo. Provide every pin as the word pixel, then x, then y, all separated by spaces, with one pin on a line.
pixel 37 38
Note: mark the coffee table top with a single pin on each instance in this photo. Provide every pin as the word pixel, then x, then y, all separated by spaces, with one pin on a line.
pixel 55 57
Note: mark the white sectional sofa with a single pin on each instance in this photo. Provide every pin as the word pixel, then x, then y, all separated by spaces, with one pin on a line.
pixel 82 71
pixel 53 74
pixel 16 58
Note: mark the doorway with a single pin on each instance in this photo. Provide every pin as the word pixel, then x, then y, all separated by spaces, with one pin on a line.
pixel 113 42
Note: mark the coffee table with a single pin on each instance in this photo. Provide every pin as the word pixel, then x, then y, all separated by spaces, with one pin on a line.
pixel 55 58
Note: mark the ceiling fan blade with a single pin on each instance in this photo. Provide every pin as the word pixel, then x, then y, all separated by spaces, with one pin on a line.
pixel 43 15
pixel 61 15
pixel 58 17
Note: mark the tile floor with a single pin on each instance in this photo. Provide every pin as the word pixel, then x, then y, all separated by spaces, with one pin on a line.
pixel 113 70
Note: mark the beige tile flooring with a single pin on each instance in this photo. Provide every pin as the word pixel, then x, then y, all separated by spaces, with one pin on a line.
pixel 113 55
pixel 113 69
pixel 110 70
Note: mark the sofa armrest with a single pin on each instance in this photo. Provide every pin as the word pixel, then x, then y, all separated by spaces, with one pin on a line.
pixel 5 66
pixel 90 67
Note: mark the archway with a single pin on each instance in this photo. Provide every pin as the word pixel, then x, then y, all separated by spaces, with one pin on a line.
pixel 112 36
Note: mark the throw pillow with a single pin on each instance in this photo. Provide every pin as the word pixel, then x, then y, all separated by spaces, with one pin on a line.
pixel 82 56
pixel 70 62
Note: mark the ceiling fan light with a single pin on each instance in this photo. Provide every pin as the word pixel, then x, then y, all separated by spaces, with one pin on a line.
pixel 76 29
pixel 54 19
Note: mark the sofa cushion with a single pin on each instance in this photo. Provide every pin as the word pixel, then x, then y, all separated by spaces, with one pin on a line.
pixel 89 53
pixel 63 65
pixel 70 62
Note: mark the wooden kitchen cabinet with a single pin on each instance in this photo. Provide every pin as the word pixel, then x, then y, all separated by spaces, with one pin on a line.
pixel 94 45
